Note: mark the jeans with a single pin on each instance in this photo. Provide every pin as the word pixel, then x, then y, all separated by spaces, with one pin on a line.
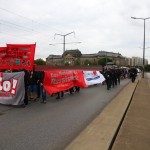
pixel 32 88
pixel 43 93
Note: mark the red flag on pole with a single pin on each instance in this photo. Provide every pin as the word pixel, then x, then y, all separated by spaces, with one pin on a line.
pixel 17 56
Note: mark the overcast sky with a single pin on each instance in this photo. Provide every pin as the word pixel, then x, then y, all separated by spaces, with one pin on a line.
pixel 98 25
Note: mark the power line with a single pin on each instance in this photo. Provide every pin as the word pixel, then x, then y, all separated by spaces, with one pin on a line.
pixel 64 40
pixel 23 28
pixel 7 23
pixel 66 43
pixel 33 21
pixel 16 36
pixel 18 26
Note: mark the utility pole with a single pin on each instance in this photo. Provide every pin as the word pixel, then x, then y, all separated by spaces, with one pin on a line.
pixel 64 41
pixel 144 19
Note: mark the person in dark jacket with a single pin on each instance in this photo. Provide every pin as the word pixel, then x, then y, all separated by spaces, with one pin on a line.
pixel 118 75
pixel 33 79
pixel 133 73
pixel 108 77
pixel 114 77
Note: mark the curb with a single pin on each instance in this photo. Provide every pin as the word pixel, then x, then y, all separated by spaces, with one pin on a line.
pixel 102 131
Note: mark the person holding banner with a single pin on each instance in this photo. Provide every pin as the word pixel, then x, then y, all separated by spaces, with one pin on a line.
pixel 33 79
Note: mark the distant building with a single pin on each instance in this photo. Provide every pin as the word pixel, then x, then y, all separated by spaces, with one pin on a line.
pixel 136 61
pixel 55 60
pixel 72 57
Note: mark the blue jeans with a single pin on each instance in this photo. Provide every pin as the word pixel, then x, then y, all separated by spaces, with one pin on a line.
pixel 43 93
pixel 32 88
pixel 32 91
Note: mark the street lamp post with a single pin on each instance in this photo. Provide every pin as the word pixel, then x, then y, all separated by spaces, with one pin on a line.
pixel 143 43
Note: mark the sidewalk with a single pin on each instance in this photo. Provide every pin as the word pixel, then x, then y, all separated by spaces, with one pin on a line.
pixel 102 133
pixel 135 131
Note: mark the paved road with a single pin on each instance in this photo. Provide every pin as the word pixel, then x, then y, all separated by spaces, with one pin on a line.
pixel 54 125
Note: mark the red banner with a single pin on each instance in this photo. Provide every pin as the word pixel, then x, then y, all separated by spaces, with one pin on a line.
pixel 17 56
pixel 61 80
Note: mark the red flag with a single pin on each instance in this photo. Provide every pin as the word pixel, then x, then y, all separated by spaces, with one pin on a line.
pixel 17 56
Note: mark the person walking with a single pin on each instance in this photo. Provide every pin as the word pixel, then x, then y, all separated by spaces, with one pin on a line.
pixel 114 77
pixel 118 75
pixel 108 77
pixel 133 73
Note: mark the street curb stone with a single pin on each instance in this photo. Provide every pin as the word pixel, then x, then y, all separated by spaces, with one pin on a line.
pixel 98 135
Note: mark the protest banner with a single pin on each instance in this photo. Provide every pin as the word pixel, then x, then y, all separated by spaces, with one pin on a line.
pixel 12 88
pixel 93 77
pixel 17 56
pixel 61 80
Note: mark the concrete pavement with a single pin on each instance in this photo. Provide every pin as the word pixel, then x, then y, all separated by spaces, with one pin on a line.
pixel 135 130
pixel 123 125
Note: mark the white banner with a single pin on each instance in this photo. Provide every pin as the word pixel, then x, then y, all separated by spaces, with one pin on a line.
pixel 93 77
pixel 12 88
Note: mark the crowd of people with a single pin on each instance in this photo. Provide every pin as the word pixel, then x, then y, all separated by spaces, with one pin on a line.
pixel 114 75
pixel 34 89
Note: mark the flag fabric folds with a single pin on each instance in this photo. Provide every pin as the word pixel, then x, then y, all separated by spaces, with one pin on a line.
pixel 61 80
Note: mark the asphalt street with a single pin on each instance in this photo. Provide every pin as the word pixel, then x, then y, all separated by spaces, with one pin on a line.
pixel 52 126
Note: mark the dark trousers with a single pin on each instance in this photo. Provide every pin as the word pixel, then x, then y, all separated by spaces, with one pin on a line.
pixel 38 90
pixel 77 88
pixel 71 90
pixel 26 96
pixel 58 95
pixel 108 82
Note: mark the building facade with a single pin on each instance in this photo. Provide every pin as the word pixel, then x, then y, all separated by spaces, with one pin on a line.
pixel 137 61
pixel 75 57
